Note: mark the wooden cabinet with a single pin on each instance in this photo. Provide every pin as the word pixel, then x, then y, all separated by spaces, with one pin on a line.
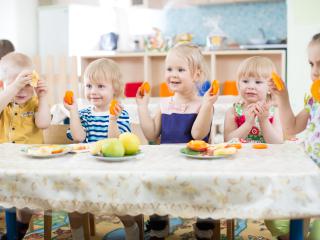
pixel 150 67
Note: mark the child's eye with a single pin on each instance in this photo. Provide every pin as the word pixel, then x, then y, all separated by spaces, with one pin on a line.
pixel 181 69
pixel 258 82
pixel 88 86
pixel 311 64
pixel 245 81
pixel 101 86
pixel 169 69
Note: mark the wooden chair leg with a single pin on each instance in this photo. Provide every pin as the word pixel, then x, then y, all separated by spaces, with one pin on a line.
pixel 92 225
pixel 86 226
pixel 140 221
pixel 47 224
pixel 216 230
pixel 230 229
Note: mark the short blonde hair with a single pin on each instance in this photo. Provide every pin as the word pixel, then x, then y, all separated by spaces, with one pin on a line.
pixel 192 54
pixel 14 62
pixel 104 70
pixel 256 67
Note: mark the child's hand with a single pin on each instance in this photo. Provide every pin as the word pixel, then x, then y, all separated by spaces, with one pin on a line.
pixel 71 107
pixel 249 113
pixel 262 110
pixel 275 92
pixel 142 99
pixel 23 79
pixel 208 98
pixel 117 112
pixel 41 89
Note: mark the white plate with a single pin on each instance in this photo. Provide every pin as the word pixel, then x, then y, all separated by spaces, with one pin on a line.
pixel 206 157
pixel 66 149
pixel 80 151
pixel 118 159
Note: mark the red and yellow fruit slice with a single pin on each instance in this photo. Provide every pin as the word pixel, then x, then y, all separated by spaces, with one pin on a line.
pixel 315 90
pixel 112 108
pixel 68 97
pixel 215 87
pixel 197 145
pixel 260 146
pixel 277 81
pixel 144 88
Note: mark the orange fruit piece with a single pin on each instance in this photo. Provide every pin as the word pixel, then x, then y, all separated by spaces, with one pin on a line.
pixel 197 145
pixel 215 87
pixel 236 145
pixel 260 146
pixel 68 97
pixel 112 108
pixel 277 81
pixel 315 90
pixel 34 78
pixel 145 88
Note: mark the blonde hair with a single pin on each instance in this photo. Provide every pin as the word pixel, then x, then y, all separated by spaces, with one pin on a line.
pixel 256 67
pixel 104 70
pixel 192 54
pixel 14 62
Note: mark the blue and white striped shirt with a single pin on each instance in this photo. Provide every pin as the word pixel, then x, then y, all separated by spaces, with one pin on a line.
pixel 96 124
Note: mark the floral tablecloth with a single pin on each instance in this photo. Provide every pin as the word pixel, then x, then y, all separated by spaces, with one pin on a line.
pixel 278 182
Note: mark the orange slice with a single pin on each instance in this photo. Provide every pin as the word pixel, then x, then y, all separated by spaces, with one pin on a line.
pixel 34 78
pixel 260 146
pixel 197 145
pixel 68 97
pixel 315 90
pixel 145 88
pixel 112 107
pixel 277 81
pixel 235 145
pixel 215 87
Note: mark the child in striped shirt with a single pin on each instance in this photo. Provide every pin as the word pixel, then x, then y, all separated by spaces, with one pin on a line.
pixel 102 81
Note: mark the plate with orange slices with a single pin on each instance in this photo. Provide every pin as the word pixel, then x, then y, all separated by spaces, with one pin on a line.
pixel 46 151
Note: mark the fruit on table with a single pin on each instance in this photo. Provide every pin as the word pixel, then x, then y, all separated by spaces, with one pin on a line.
pixel 225 151
pixel 112 108
pixel 260 146
pixel 113 147
pixel 34 78
pixel 277 81
pixel 130 143
pixel 68 97
pixel 95 148
pixel 236 145
pixel 145 88
pixel 315 90
pixel 198 145
pixel 215 87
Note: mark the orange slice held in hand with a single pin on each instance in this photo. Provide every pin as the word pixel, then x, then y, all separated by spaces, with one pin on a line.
pixel 112 108
pixel 315 90
pixel 198 145
pixel 260 146
pixel 68 97
pixel 215 87
pixel 277 81
pixel 34 78
pixel 144 88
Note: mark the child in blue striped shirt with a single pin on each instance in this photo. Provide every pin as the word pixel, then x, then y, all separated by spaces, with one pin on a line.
pixel 102 82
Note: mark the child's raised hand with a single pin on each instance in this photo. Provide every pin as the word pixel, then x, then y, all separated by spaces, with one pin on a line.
pixel 142 99
pixel 115 111
pixel 23 79
pixel 71 107
pixel 42 88
pixel 277 86
pixel 208 98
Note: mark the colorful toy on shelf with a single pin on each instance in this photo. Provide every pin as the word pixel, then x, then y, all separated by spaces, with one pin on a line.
pixel 131 88
pixel 183 38
pixel 230 88
pixel 34 78
pixel 164 90
pixel 113 105
pixel 155 42
pixel 68 97
pixel 144 88
pixel 215 87
pixel 277 81
pixel 315 90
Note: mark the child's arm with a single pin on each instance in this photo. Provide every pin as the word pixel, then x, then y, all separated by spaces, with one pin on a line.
pixel 291 124
pixel 8 94
pixel 77 132
pixel 272 132
pixel 150 126
pixel 202 125
pixel 231 130
pixel 42 116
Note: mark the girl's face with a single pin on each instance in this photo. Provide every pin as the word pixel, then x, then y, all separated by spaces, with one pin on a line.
pixel 253 89
pixel 314 60
pixel 178 75
pixel 99 94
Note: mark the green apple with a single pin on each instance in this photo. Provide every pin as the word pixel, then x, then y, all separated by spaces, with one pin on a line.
pixel 130 142
pixel 96 147
pixel 112 148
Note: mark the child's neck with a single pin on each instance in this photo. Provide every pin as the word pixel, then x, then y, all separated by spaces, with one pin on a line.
pixel 100 109
pixel 185 97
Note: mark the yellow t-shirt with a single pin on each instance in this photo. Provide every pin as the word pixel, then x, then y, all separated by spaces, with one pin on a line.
pixel 17 123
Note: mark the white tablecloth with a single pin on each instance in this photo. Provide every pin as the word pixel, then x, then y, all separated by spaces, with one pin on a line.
pixel 274 183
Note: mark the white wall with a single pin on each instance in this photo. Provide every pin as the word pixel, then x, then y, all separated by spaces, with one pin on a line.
pixel 18 23
pixel 303 23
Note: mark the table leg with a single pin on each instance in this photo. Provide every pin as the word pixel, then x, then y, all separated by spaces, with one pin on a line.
pixel 296 229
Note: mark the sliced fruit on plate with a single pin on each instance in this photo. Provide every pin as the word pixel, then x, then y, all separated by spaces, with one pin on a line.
pixel 260 146
pixel 225 151
pixel 197 145
pixel 236 145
